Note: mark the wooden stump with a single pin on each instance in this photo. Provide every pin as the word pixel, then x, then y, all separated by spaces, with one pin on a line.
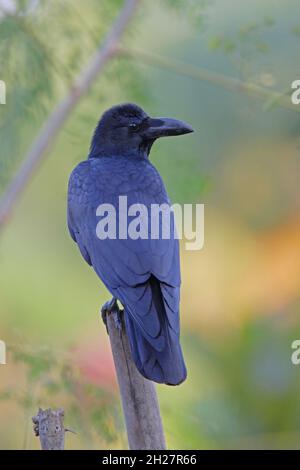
pixel 49 427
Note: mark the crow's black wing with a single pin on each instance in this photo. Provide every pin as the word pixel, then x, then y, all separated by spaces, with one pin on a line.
pixel 143 274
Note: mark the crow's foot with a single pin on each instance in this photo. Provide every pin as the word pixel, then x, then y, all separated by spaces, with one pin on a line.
pixel 111 307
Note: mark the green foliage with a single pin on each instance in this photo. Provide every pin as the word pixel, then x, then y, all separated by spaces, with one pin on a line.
pixel 193 10
pixel 40 55
pixel 52 380
pixel 245 45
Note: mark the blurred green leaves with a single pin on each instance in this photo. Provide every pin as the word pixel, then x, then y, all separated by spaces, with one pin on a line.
pixel 247 41
pixel 53 380
pixel 194 10
pixel 40 55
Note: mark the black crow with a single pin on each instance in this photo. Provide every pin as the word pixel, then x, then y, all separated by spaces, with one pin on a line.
pixel 143 273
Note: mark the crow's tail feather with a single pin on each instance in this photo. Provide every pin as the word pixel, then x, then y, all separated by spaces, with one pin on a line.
pixel 164 364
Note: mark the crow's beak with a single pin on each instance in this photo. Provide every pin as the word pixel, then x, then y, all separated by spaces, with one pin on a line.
pixel 163 127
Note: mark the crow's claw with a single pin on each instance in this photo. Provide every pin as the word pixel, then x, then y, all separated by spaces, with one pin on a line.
pixel 111 307
pixel 117 316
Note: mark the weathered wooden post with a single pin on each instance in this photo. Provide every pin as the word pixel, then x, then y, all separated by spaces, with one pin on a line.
pixel 49 427
pixel 138 395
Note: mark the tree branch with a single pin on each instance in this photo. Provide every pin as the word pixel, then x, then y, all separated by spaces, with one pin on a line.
pixel 53 125
pixel 199 73
pixel 107 51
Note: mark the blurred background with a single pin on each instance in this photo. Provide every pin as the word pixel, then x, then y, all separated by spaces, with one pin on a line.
pixel 240 294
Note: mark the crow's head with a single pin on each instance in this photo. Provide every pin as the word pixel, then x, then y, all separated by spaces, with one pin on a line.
pixel 126 130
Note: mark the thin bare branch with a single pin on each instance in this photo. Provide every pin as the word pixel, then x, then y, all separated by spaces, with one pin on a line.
pixel 199 73
pixel 56 120
pixel 111 48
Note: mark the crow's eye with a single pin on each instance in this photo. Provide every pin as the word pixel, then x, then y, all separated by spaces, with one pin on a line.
pixel 133 126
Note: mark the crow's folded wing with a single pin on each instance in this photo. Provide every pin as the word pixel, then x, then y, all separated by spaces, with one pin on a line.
pixel 126 266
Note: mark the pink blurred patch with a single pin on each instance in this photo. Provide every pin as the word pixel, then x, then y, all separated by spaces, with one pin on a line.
pixel 95 362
